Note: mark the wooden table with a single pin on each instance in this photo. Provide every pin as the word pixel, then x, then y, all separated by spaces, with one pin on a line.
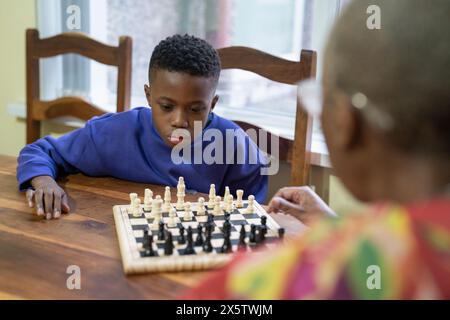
pixel 35 253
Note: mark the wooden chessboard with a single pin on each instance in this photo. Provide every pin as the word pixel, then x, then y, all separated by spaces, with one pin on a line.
pixel 130 231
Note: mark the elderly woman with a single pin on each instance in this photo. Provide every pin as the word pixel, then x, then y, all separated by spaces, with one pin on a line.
pixel 385 112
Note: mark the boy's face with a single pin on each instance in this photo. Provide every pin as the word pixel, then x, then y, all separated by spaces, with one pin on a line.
pixel 177 101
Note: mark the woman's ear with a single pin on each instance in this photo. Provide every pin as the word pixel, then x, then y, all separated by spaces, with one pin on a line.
pixel 147 93
pixel 347 125
pixel 214 101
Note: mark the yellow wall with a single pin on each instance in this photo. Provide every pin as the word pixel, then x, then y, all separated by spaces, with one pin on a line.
pixel 15 18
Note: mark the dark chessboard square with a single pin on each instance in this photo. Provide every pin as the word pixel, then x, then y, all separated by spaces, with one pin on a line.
pixel 139 226
pixel 219 217
pixel 217 235
pixel 250 215
pixel 238 222
pixel 131 217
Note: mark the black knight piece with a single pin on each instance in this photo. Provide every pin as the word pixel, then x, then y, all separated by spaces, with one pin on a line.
pixel 199 239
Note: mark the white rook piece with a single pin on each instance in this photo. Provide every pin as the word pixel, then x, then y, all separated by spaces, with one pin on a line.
pixel 187 212
pixel 148 198
pixel 132 197
pixel 137 208
pixel 212 196
pixel 217 208
pixel 239 194
pixel 251 204
pixel 201 206
pixel 172 223
pixel 167 199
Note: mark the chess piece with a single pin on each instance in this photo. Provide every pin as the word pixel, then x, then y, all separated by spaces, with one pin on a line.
pixel 212 196
pixel 199 239
pixel 181 238
pixel 201 206
pixel 250 206
pixel 161 233
pixel 167 200
pixel 190 243
pixel 187 212
pixel 156 212
pixel 207 246
pixel 226 247
pixel 264 225
pixel 148 198
pixel 242 234
pixel 210 219
pixel 137 208
pixel 229 203
pixel 132 197
pixel 181 188
pixel 168 245
pixel 239 195
pixel 172 223
pixel 227 193
pixel 217 207
pixel 281 233
pixel 226 227
pixel 148 250
pixel 252 237
pixel 260 236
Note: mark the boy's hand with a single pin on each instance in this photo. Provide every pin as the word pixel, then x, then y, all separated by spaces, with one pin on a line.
pixel 50 199
pixel 301 202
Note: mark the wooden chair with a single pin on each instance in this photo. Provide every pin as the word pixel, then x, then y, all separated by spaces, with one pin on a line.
pixel 297 152
pixel 39 110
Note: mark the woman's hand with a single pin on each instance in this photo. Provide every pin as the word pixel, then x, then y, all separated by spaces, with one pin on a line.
pixel 301 202
pixel 50 199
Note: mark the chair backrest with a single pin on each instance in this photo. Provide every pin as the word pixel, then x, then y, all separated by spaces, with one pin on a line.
pixel 39 110
pixel 297 152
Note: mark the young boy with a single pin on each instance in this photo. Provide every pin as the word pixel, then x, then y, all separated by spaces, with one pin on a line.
pixel 137 145
pixel 386 122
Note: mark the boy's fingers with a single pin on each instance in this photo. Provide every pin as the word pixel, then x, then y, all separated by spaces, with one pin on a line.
pixel 48 202
pixel 29 195
pixel 38 198
pixel 57 205
pixel 65 204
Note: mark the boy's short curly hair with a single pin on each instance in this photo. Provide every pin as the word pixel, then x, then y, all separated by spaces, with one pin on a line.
pixel 187 54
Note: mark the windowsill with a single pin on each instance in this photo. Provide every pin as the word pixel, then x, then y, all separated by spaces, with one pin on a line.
pixel 319 151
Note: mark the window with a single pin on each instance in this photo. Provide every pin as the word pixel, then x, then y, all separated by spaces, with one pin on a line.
pixel 280 27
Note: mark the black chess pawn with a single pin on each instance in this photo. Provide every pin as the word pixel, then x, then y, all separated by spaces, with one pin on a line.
pixel 252 237
pixel 199 239
pixel 226 247
pixel 168 245
pixel 263 220
pixel 181 238
pixel 145 239
pixel 190 243
pixel 207 246
pixel 161 233
pixel 242 233
pixel 281 232
pixel 261 235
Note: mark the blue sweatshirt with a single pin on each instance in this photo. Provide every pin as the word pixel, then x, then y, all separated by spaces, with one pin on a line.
pixel 127 146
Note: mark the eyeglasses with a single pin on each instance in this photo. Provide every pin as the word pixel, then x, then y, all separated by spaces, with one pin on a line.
pixel 310 93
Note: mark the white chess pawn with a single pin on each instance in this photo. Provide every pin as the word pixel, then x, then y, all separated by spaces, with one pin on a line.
pixel 250 206
pixel 132 197
pixel 157 204
pixel 172 223
pixel 187 212
pixel 201 206
pixel 240 195
pixel 212 196
pixel 217 207
pixel 137 208
pixel 227 193
pixel 167 199
pixel 148 198
pixel 229 204
pixel 181 182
